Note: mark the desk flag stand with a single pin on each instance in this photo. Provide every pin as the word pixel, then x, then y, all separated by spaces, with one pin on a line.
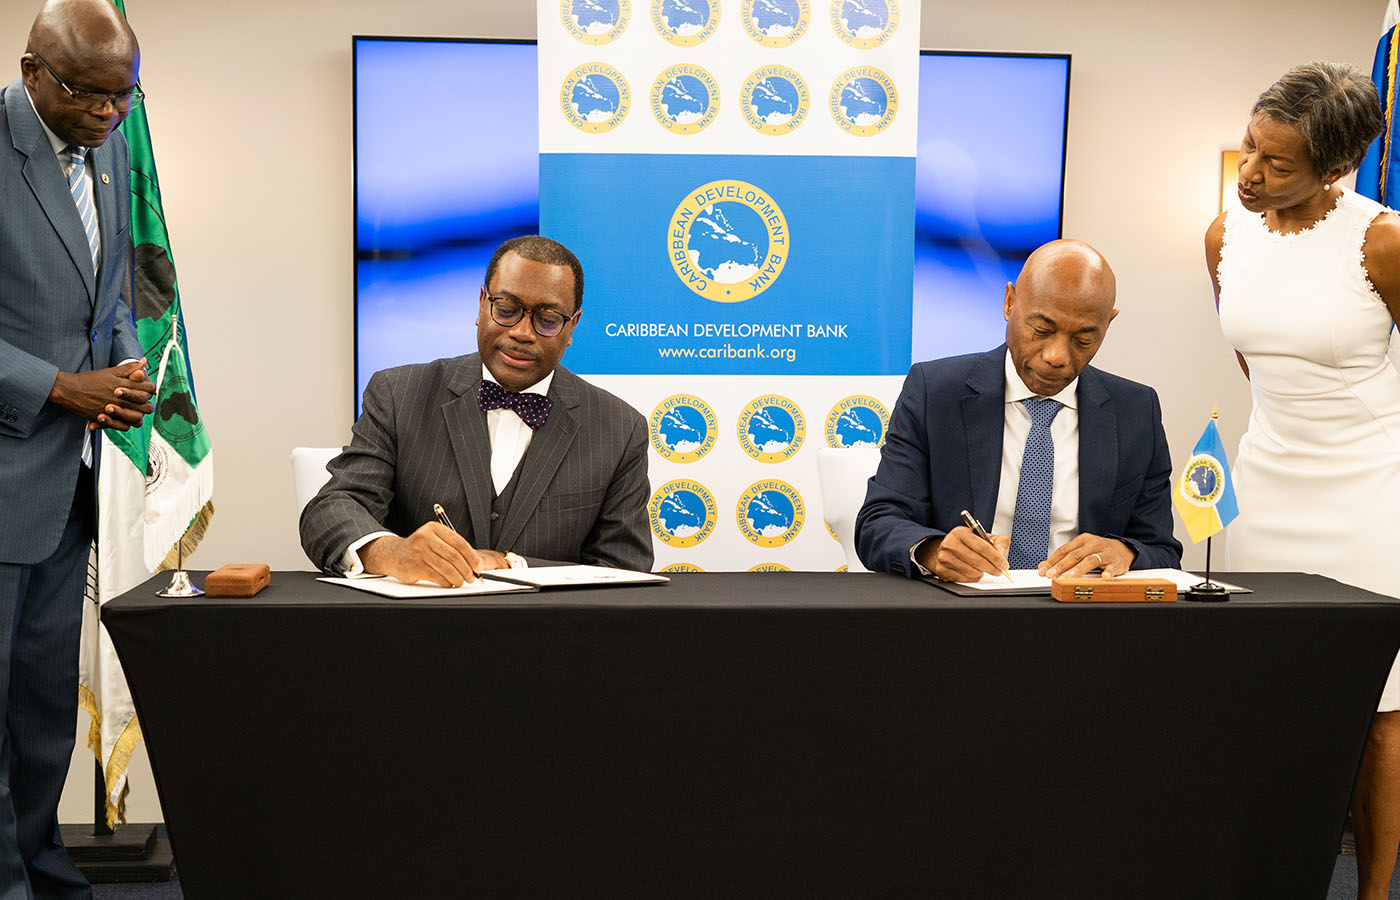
pixel 1206 591
pixel 1205 498
pixel 180 584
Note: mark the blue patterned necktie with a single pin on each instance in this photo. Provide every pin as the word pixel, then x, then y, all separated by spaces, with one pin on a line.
pixel 1030 528
pixel 82 198
pixel 533 409
pixel 81 190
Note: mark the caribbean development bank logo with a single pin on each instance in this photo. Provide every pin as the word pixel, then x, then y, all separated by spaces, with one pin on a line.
pixel 683 428
pixel 770 567
pixel 774 100
pixel 864 24
pixel 776 23
pixel 857 421
pixel 673 568
pixel 682 513
pixel 771 428
pixel 770 513
pixel 1203 480
pixel 684 99
pixel 728 241
pixel 864 101
pixel 595 98
pixel 595 21
pixel 684 23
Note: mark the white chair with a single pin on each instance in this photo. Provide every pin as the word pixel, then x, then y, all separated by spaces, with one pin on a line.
pixel 309 471
pixel 842 474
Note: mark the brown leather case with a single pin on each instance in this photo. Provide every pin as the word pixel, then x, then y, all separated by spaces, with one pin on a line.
pixel 237 580
pixel 1084 589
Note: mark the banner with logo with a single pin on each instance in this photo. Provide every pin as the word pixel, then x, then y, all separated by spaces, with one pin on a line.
pixel 738 180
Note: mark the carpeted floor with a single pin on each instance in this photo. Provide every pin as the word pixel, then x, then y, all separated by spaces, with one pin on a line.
pixel 1343 887
pixel 169 890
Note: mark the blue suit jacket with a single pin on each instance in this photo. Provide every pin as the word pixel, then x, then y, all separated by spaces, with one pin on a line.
pixel 56 317
pixel 943 455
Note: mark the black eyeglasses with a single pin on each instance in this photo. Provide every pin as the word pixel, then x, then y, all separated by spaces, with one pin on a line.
pixel 95 100
pixel 546 321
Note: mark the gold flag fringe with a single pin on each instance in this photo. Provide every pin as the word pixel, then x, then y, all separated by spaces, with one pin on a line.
pixel 121 754
pixel 193 535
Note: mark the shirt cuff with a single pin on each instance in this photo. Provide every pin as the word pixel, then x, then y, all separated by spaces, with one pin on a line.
pixel 915 549
pixel 350 564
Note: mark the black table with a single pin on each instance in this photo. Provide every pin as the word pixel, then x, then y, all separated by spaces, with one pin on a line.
pixel 740 735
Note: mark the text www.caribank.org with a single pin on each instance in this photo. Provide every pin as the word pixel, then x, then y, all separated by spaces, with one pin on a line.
pixel 729 351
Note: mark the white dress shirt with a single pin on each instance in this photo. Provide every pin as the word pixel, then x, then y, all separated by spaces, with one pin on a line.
pixel 60 150
pixel 509 436
pixel 1016 427
pixel 1064 430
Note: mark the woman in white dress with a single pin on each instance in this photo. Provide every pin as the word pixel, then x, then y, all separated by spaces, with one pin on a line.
pixel 1307 284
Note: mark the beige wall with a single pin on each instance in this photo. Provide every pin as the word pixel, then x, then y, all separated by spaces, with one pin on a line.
pixel 250 114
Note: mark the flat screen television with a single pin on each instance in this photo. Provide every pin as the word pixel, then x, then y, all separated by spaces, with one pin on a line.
pixel 439 185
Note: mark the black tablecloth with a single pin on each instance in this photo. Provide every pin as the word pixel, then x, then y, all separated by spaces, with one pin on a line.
pixel 740 735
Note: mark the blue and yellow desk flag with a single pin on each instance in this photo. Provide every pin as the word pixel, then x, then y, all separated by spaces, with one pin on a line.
pixel 1379 175
pixel 1204 494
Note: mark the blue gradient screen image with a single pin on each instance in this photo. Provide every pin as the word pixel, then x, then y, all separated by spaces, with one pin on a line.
pixel 447 166
pixel 988 183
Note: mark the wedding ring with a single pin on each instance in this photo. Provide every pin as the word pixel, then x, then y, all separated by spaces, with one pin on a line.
pixel 1100 559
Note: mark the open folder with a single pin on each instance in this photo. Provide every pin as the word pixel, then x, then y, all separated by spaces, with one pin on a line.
pixel 501 581
pixel 1026 583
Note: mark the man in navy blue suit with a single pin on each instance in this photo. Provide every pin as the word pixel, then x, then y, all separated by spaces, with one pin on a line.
pixel 70 364
pixel 1067 464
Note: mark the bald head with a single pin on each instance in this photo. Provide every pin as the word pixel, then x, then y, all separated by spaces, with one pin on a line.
pixel 77 31
pixel 1057 314
pixel 1069 268
pixel 84 47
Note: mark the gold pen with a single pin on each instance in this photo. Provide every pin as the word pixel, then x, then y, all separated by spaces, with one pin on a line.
pixel 981 532
pixel 442 516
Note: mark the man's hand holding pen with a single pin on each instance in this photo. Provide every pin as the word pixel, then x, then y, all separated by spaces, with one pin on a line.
pixel 960 555
pixel 435 553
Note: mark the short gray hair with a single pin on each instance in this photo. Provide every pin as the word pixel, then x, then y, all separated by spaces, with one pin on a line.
pixel 1334 106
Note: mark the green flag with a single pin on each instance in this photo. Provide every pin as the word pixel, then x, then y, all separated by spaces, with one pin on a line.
pixel 155 483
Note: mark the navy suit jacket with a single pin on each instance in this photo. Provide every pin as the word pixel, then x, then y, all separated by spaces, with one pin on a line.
pixel 943 455
pixel 56 317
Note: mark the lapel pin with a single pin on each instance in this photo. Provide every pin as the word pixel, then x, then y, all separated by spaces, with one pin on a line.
pixel 105 179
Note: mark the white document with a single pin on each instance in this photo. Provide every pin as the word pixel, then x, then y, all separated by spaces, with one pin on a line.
pixel 1021 580
pixel 1184 580
pixel 391 587
pixel 574 576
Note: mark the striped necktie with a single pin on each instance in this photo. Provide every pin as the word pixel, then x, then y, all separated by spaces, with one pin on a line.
pixel 1030 524
pixel 81 189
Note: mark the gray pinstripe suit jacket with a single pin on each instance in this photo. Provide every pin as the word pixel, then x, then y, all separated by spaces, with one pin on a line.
pixel 421 439
pixel 54 315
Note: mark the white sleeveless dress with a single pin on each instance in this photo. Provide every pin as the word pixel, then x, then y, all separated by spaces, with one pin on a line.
pixel 1318 471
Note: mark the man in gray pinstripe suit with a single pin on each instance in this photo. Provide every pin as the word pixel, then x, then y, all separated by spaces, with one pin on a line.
pixel 526 458
pixel 70 363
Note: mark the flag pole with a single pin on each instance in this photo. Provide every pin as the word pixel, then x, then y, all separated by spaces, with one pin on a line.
pixel 1208 591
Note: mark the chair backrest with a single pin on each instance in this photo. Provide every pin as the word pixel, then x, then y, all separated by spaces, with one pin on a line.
pixel 309 471
pixel 842 474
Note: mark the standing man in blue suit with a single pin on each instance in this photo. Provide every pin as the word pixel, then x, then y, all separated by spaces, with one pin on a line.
pixel 1067 463
pixel 70 365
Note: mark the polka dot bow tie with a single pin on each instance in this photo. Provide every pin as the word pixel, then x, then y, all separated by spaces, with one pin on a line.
pixel 533 409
